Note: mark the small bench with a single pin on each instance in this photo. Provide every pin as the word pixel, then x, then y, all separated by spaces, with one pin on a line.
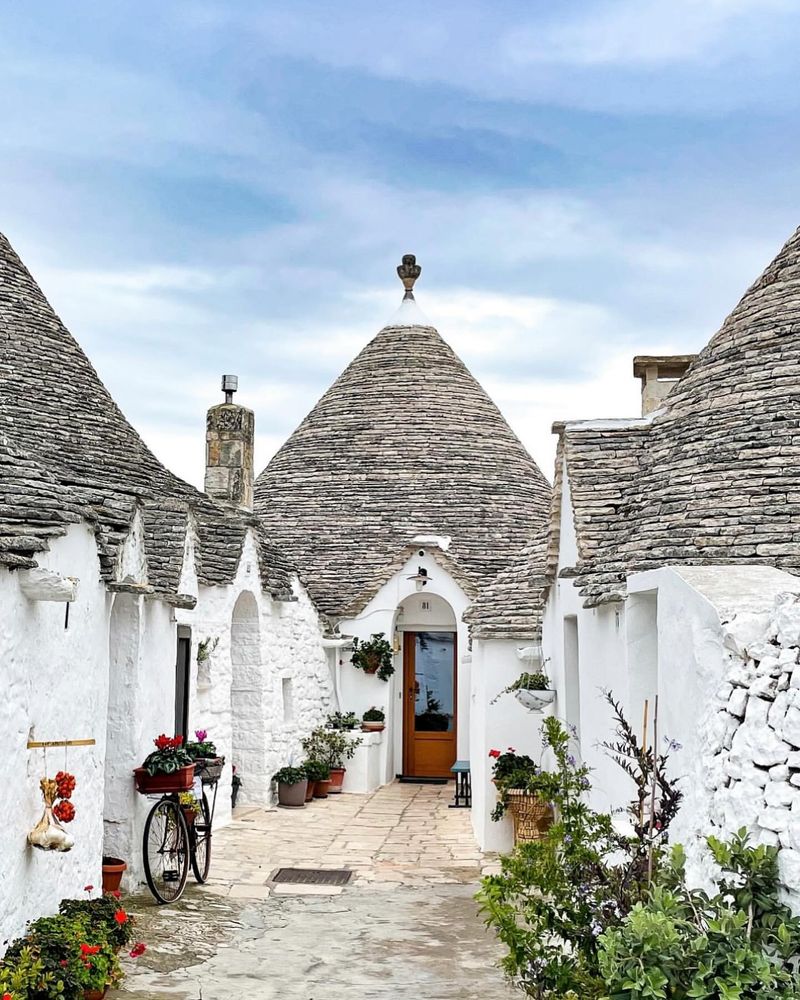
pixel 461 770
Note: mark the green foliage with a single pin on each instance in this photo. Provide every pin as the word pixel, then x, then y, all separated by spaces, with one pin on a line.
pixel 316 770
pixel 374 656
pixel 345 721
pixel 554 898
pixel 374 715
pixel 330 746
pixel 739 944
pixel 205 648
pixel 205 750
pixel 529 681
pixel 63 955
pixel 101 913
pixel 290 775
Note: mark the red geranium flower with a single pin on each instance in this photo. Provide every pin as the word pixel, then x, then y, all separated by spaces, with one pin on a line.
pixel 121 917
pixel 138 949
pixel 494 753
pixel 116 894
pixel 90 949
pixel 88 888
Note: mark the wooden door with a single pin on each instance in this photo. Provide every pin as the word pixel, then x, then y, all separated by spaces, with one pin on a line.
pixel 429 704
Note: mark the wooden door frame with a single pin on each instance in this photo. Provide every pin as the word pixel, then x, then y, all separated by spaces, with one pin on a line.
pixel 409 682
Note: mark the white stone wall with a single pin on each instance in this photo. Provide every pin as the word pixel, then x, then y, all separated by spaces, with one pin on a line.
pixel 54 688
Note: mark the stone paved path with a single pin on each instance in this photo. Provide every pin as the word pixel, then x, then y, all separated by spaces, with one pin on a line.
pixel 406 925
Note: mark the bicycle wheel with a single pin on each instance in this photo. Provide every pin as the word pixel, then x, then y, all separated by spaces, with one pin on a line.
pixel 201 843
pixel 166 851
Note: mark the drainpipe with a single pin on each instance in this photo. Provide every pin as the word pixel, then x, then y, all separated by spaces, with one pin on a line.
pixel 335 645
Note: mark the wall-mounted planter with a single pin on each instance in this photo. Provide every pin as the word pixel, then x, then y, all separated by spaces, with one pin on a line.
pixel 535 701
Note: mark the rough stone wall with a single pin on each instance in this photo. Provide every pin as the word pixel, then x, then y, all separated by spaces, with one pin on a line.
pixel 750 740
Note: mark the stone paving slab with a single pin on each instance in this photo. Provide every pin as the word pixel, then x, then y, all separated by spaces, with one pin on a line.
pixel 406 925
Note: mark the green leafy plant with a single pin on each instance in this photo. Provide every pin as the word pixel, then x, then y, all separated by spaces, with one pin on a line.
pixel 169 756
pixel 740 943
pixel 531 681
pixel 290 775
pixel 315 770
pixel 330 746
pixel 102 912
pixel 554 897
pixel 205 648
pixel 24 977
pixel 201 748
pixel 374 715
pixel 374 656
pixel 342 720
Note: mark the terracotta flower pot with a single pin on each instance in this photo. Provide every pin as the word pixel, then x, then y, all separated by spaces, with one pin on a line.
pixel 190 815
pixel 322 788
pixel 337 778
pixel 94 994
pixel 112 873
pixel 292 795
pixel 373 727
pixel 310 790
pixel 179 781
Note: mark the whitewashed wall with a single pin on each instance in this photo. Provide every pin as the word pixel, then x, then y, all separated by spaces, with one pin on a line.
pixel 54 687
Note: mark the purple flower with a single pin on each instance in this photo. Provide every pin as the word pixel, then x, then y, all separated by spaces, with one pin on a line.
pixel 672 745
pixel 201 735
pixel 571 761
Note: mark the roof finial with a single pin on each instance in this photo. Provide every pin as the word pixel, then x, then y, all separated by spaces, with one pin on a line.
pixel 408 272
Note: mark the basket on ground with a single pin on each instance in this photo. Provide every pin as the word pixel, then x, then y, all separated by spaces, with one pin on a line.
pixel 532 816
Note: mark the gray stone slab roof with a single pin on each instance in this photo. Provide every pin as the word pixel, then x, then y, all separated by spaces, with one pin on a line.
pixel 57 416
pixel 714 476
pixel 405 442
pixel 511 606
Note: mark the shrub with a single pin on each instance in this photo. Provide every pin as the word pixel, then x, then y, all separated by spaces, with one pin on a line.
pixel 290 775
pixel 25 978
pixel 343 721
pixel 553 898
pixel 374 656
pixel 740 943
pixel 374 715
pixel 330 746
pixel 102 912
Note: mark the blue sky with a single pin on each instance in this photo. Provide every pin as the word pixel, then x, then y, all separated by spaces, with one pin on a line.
pixel 208 187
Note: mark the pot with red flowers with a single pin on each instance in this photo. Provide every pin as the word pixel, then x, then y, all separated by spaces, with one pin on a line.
pixel 169 768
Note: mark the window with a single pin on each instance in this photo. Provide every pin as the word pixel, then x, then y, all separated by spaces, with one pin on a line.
pixel 572 680
pixel 288 700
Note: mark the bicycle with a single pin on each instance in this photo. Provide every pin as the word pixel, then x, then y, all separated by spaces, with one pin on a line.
pixel 170 844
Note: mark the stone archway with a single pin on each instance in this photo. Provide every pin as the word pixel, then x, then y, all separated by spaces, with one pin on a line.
pixel 248 722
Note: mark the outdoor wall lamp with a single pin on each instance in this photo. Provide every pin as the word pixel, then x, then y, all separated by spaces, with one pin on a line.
pixel 420 578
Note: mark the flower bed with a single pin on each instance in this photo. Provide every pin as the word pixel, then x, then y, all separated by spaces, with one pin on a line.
pixel 71 955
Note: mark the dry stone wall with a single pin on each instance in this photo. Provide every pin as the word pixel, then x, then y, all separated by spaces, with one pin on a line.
pixel 750 744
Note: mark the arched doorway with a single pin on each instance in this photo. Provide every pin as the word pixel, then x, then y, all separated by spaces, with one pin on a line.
pixel 430 685
pixel 248 735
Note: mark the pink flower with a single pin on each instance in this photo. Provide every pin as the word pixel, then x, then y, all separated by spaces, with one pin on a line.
pixel 201 735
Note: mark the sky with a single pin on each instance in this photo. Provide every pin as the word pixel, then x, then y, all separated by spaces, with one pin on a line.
pixel 205 188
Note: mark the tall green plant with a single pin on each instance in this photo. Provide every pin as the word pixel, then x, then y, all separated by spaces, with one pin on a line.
pixel 331 747
pixel 740 943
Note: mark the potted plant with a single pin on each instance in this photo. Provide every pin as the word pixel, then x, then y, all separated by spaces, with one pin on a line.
pixel 526 791
pixel 322 785
pixel 373 720
pixel 292 784
pixel 374 656
pixel 102 912
pixel 315 772
pixel 345 721
pixel 113 869
pixel 331 747
pixel 190 807
pixel 531 689
pixel 208 763
pixel 169 768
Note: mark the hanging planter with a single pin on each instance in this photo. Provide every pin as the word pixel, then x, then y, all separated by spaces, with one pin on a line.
pixel 535 701
pixel 169 768
pixel 374 656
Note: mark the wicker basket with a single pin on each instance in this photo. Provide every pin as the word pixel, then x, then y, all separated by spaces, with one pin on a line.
pixel 209 769
pixel 532 816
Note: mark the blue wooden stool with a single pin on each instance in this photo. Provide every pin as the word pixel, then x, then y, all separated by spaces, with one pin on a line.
pixel 461 770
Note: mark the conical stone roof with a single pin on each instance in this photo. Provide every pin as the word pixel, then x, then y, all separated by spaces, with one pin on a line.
pixel 405 443
pixel 713 477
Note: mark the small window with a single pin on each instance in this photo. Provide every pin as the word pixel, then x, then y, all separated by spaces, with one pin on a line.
pixel 288 700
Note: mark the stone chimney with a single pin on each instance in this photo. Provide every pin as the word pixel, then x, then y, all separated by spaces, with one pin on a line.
pixel 658 376
pixel 230 432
